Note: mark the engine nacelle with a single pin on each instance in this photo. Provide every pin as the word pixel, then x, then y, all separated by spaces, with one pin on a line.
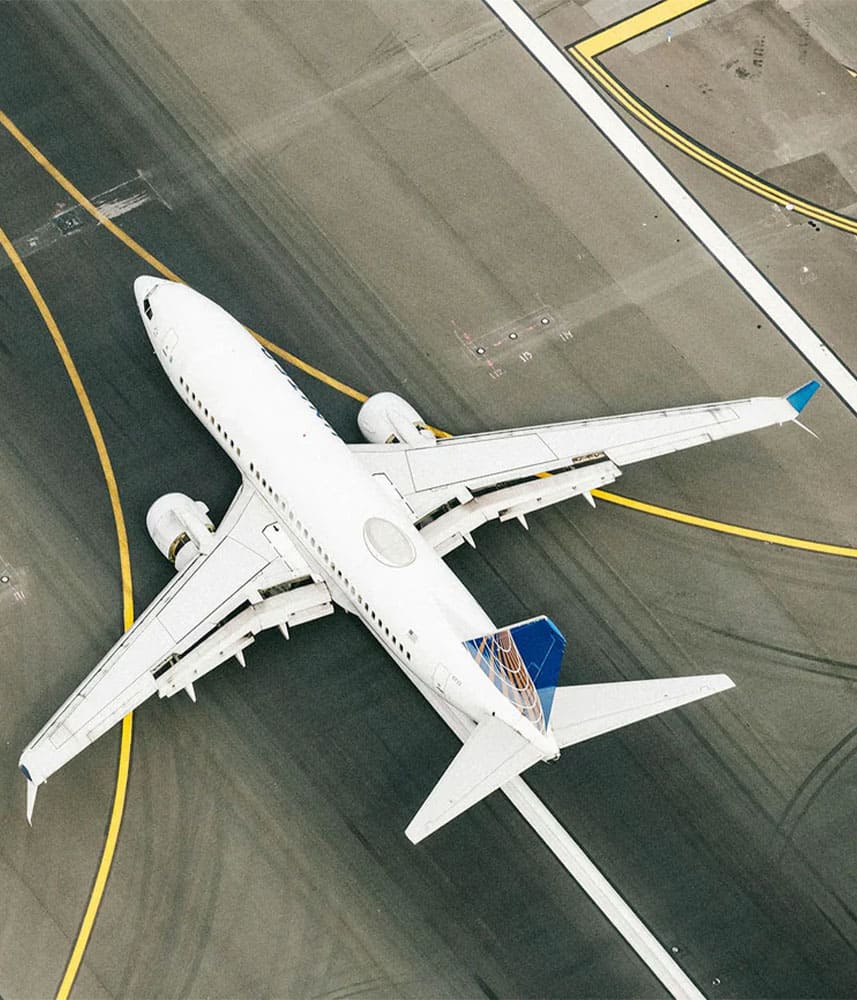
pixel 386 418
pixel 180 527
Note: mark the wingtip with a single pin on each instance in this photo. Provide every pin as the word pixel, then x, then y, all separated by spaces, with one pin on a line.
pixel 801 396
pixel 414 834
pixel 32 789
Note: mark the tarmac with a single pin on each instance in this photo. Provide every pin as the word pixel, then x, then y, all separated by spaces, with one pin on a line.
pixel 384 189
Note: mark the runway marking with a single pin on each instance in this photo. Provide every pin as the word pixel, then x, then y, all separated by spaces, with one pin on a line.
pixel 304 366
pixel 585 52
pixel 563 846
pixel 68 222
pixel 124 763
pixel 636 24
pixel 681 202
pixel 81 198
pixel 525 29
pixel 150 259
pixel 666 513
pixel 824 548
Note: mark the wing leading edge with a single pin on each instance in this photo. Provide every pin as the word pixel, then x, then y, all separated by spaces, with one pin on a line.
pixel 495 474
pixel 187 631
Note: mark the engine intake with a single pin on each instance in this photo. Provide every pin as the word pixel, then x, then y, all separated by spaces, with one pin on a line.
pixel 386 418
pixel 180 527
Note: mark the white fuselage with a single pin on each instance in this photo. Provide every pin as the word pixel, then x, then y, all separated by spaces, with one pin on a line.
pixel 356 535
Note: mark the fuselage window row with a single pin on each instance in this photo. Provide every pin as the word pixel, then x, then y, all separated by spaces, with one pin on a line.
pixel 348 585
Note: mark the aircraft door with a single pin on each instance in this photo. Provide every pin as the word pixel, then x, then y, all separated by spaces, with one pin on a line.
pixel 441 676
pixel 168 344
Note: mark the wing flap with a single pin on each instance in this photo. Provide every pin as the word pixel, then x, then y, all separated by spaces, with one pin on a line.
pixel 476 461
pixel 429 477
pixel 241 563
pixel 451 529
pixel 302 604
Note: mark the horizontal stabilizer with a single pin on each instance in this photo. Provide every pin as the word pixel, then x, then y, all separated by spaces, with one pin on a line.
pixel 492 755
pixel 586 710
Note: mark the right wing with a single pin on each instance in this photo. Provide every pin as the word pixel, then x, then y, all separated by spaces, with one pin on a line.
pixel 187 630
pixel 458 483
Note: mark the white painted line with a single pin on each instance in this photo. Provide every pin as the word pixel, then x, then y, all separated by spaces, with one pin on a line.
pixel 118 200
pixel 576 862
pixel 585 95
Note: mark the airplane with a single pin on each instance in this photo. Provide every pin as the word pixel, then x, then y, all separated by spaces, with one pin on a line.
pixel 318 523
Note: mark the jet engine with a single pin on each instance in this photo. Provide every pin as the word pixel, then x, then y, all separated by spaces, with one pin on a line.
pixel 386 418
pixel 179 527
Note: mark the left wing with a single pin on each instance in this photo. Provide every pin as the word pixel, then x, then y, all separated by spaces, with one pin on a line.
pixel 485 476
pixel 187 631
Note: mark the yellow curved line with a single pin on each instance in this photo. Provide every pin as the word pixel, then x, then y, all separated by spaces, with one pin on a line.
pixel 664 512
pixel 110 841
pixel 668 514
pixel 150 259
pixel 316 373
pixel 660 126
pixel 91 421
pixel 127 614
pixel 636 24
pixel 81 198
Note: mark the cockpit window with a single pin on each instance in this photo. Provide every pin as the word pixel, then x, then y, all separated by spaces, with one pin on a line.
pixel 147 309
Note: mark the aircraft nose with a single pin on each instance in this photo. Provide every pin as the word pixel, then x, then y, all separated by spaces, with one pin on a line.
pixel 144 286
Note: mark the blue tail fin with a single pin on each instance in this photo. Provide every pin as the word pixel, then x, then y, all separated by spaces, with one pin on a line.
pixel 523 661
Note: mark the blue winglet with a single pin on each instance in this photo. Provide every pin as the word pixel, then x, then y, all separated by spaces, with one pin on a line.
pixel 800 397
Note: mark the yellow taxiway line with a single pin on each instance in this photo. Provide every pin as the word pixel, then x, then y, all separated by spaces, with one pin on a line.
pixel 585 54
pixel 119 795
pixel 668 514
pixel 157 265
pixel 664 512
pixel 637 24
pixel 153 261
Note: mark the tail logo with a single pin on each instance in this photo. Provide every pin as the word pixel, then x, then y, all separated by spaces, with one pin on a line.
pixel 522 662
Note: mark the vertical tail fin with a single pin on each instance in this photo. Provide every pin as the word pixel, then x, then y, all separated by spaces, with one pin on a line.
pixel 522 661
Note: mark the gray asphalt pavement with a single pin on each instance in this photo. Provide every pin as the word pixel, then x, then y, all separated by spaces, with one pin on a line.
pixel 381 188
